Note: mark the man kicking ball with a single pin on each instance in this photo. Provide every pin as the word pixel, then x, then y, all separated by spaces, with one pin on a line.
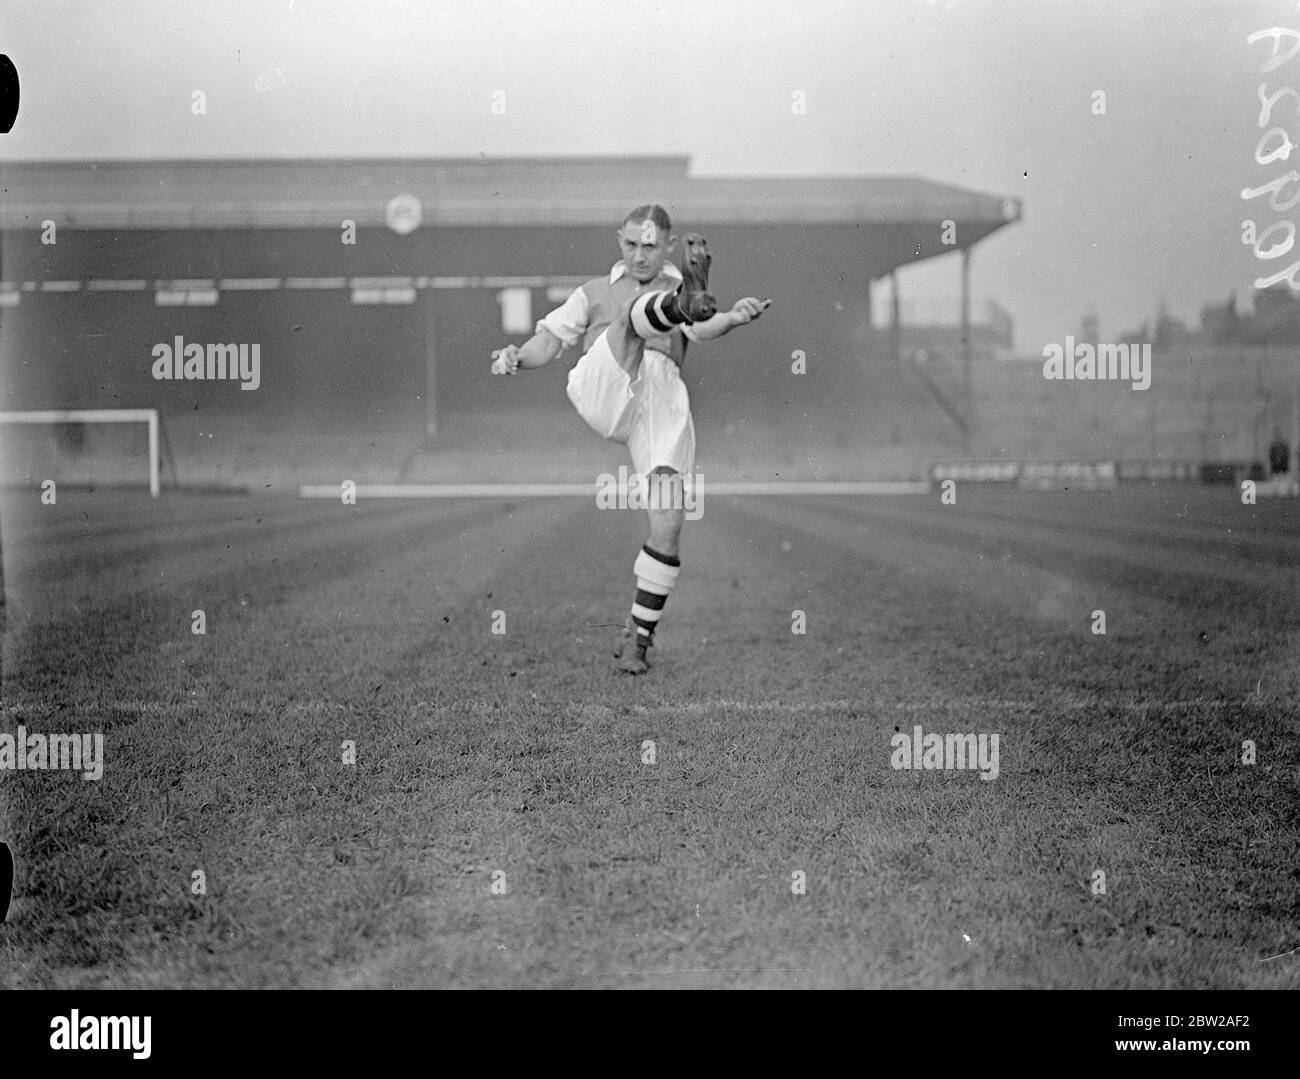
pixel 634 325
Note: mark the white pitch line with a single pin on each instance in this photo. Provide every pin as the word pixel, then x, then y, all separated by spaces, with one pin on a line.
pixel 60 286
pixel 118 286
pixel 588 490
pixel 316 282
pixel 456 490
pixel 822 487
pixel 380 282
pixel 235 284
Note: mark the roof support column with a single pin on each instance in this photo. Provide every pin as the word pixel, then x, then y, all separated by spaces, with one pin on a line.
pixel 895 327
pixel 965 339
pixel 430 368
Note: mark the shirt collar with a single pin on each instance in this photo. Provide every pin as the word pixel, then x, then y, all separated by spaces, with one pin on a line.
pixel 620 270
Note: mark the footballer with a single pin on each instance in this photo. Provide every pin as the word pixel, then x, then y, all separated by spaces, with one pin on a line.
pixel 634 325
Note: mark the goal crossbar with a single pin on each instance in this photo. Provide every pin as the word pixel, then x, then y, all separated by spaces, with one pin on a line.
pixel 100 415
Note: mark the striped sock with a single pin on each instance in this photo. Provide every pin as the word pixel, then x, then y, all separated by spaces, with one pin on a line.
pixel 655 313
pixel 655 576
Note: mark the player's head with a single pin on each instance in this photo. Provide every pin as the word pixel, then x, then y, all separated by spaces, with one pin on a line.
pixel 645 240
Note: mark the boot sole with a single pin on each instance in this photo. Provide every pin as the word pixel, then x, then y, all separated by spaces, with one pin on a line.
pixel 697 301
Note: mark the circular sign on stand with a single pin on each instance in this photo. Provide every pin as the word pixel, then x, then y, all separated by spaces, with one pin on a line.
pixel 404 214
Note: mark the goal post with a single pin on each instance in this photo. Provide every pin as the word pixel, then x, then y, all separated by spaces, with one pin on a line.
pixel 51 418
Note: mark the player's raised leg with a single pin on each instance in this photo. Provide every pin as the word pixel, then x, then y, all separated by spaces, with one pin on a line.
pixel 653 314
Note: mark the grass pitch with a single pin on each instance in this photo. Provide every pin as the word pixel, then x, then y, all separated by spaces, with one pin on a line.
pixel 516 761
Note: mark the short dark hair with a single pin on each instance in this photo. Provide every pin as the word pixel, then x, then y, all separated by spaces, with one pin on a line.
pixel 650 212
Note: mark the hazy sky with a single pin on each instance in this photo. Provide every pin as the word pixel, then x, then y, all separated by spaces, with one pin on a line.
pixel 1122 209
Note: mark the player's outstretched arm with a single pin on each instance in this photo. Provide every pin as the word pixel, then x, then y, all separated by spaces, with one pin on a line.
pixel 724 322
pixel 539 349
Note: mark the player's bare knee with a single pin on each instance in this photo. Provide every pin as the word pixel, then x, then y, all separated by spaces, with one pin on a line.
pixel 666 508
pixel 666 490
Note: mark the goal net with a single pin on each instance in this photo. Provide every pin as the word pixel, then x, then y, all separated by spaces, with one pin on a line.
pixel 81 448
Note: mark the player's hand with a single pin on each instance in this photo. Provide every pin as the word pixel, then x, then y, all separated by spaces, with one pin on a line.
pixel 748 309
pixel 505 361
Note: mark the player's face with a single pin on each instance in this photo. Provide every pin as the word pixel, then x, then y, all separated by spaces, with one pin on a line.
pixel 644 247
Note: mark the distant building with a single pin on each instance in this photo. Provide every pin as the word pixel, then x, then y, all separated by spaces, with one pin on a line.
pixel 1220 322
pixel 1275 321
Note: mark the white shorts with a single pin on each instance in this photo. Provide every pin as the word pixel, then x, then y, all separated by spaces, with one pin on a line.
pixel 651 413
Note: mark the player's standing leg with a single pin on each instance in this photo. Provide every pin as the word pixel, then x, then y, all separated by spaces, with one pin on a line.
pixel 656 568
